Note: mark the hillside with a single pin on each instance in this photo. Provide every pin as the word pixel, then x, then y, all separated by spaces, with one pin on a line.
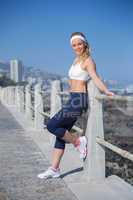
pixel 4 65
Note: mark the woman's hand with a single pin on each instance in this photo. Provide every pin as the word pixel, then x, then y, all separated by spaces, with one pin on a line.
pixel 109 93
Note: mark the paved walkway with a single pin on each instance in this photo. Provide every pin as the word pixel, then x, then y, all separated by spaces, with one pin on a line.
pixel 20 162
pixel 25 152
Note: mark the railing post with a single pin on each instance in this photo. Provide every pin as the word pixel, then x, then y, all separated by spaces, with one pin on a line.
pixel 17 97
pixel 12 95
pixel 3 98
pixel 20 98
pixel 56 102
pixel 8 95
pixel 94 166
pixel 0 93
pixel 129 110
pixel 28 103
pixel 55 97
pixel 38 108
pixel 5 95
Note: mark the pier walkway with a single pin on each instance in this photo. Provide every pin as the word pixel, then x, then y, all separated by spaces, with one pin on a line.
pixel 20 162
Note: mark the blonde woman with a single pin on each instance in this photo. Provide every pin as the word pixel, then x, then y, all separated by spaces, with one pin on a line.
pixel 82 69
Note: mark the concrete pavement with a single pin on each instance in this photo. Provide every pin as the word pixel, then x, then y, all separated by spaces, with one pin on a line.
pixel 35 156
pixel 20 162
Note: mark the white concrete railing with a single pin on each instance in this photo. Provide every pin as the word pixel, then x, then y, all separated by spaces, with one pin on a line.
pixel 28 102
pixel 38 108
pixel 95 163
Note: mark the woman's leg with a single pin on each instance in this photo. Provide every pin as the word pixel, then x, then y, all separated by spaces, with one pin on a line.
pixel 68 137
pixel 59 150
pixel 60 126
pixel 58 153
pixel 61 123
pixel 59 147
pixel 56 157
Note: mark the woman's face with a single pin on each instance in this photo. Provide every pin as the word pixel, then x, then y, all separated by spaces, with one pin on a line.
pixel 78 46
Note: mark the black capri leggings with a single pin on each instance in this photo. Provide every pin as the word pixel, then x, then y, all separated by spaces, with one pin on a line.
pixel 65 118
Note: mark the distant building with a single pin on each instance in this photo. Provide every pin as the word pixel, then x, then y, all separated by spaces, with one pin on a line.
pixel 31 80
pixel 129 89
pixel 16 70
pixel 4 69
pixel 3 72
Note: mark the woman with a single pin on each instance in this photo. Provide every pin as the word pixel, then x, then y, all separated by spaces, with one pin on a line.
pixel 61 123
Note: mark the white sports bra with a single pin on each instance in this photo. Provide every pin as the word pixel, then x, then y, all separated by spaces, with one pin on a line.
pixel 76 72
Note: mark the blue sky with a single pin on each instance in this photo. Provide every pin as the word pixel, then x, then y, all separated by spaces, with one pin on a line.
pixel 38 32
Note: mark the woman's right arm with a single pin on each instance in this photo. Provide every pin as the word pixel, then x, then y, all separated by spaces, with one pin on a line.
pixel 91 68
pixel 69 82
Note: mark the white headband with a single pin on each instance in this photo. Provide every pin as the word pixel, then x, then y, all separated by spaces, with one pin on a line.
pixel 77 36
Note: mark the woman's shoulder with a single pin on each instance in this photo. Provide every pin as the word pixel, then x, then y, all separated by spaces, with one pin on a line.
pixel 75 61
pixel 90 61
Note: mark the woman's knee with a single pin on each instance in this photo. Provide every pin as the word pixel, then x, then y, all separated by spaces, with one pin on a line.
pixel 50 126
pixel 56 130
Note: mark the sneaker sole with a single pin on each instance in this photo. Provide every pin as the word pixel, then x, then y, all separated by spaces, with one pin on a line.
pixel 86 142
pixel 46 177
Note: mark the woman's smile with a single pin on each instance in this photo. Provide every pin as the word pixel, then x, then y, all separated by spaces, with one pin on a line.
pixel 78 46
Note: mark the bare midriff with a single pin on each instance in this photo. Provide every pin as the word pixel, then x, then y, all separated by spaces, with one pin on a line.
pixel 77 85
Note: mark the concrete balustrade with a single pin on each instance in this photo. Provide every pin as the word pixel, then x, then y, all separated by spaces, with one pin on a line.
pixel 20 98
pixel 17 99
pixel 56 102
pixel 2 95
pixel 28 103
pixel 94 165
pixel 38 108
pixel 12 95
pixel 5 95
pixel 129 110
pixel 0 92
pixel 9 95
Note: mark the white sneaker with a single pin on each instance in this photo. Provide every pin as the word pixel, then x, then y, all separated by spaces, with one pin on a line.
pixel 82 147
pixel 49 173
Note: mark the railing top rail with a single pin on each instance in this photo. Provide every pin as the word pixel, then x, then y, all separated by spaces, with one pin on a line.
pixel 115 97
pixel 114 148
pixel 45 92
pixel 105 97
pixel 45 114
pixel 78 129
pixel 63 93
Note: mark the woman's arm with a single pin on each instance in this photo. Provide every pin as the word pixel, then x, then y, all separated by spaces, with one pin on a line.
pixel 69 82
pixel 91 68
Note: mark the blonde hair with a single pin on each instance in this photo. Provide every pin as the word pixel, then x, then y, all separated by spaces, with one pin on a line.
pixel 87 51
